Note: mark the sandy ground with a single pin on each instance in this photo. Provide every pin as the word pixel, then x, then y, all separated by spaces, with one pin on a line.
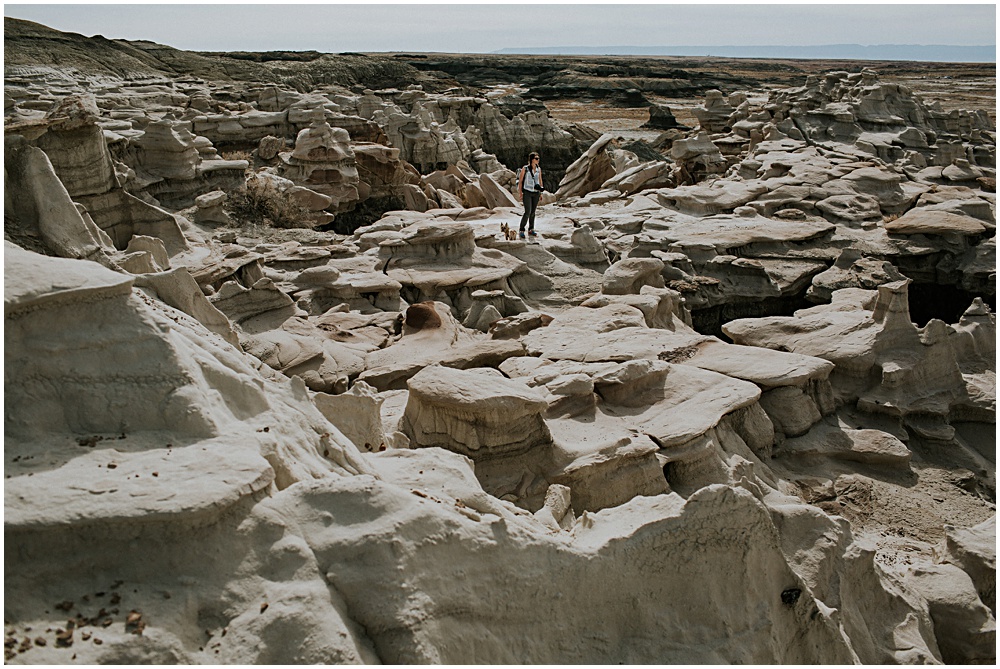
pixel 623 122
pixel 955 86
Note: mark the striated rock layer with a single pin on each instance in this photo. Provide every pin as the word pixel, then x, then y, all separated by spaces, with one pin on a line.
pixel 696 420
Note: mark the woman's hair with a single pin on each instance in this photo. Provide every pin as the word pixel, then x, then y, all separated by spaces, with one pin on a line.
pixel 532 156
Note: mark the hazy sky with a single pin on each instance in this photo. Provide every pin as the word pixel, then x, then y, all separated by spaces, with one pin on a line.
pixel 481 28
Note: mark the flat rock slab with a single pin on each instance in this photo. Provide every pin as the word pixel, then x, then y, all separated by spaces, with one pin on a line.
pixel 791 276
pixel 478 353
pixel 765 367
pixel 31 280
pixel 929 222
pixel 690 402
pixel 430 280
pixel 621 346
pixel 729 232
pixel 712 197
pixel 298 256
pixel 474 392
pixel 871 447
pixel 846 338
pixel 68 484
pixel 616 332
pixel 372 282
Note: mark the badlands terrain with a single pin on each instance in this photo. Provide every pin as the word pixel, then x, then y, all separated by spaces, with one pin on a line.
pixel 278 389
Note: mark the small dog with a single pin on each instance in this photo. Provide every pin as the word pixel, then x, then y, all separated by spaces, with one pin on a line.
pixel 509 235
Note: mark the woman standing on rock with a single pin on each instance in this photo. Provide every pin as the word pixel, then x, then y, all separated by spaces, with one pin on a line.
pixel 529 187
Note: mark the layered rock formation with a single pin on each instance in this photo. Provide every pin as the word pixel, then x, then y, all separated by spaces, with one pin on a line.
pixel 323 162
pixel 695 421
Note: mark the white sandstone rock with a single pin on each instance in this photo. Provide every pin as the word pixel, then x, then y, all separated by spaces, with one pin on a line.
pixel 965 629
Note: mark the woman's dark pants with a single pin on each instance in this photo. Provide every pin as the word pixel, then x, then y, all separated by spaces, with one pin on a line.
pixel 530 204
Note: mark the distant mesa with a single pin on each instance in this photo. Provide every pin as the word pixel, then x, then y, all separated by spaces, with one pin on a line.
pixel 941 53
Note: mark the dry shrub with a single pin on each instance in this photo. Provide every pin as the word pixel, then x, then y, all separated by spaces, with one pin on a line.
pixel 889 218
pixel 261 203
pixel 237 155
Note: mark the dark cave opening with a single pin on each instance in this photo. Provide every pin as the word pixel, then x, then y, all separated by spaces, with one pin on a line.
pixel 710 321
pixel 946 303
pixel 365 213
pixel 926 301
